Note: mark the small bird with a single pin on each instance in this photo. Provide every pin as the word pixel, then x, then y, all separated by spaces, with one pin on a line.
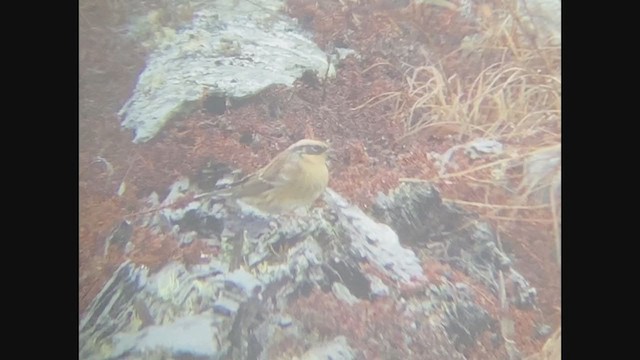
pixel 295 178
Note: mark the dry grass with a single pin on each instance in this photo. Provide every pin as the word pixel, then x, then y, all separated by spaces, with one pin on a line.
pixel 504 84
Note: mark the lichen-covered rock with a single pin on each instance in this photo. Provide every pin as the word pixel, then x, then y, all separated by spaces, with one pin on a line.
pixel 232 49
pixel 337 349
pixel 451 235
pixel 191 335
pixel 374 241
pixel 238 305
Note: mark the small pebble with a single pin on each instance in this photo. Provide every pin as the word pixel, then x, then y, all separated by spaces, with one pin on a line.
pixel 542 331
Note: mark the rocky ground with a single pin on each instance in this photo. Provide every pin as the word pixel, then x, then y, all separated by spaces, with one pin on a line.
pixel 378 143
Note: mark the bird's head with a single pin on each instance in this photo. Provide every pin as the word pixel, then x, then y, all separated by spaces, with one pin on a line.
pixel 310 149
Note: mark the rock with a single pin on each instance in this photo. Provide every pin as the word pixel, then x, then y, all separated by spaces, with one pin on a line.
pixel 337 349
pixel 417 211
pixel 190 335
pixel 119 236
pixel 272 332
pixel 285 321
pixel 241 298
pixel 542 174
pixel 523 295
pixel 375 241
pixel 540 19
pixel 187 238
pixel 420 220
pixel 480 147
pixel 110 311
pixel 342 293
pixel 232 49
pixel 463 319
pixel 542 331
pixel 378 288
pixel 543 18
pixel 226 306
pixel 246 283
pixel 346 270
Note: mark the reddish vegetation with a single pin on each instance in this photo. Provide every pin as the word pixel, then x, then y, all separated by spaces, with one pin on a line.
pixel 375 327
pixel 370 156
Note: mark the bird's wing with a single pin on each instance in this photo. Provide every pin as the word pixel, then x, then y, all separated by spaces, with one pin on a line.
pixel 274 172
pixel 250 186
pixel 267 178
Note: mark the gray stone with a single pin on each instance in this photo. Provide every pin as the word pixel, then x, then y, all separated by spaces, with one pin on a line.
pixel 285 321
pixel 378 288
pixel 248 284
pixel 244 302
pixel 545 16
pixel 337 349
pixel 232 49
pixel 375 241
pixel 226 306
pixel 342 293
pixel 542 331
pixel 193 335
pixel 479 147
pixel 416 210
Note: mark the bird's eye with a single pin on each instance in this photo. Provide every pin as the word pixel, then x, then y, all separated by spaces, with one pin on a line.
pixel 312 149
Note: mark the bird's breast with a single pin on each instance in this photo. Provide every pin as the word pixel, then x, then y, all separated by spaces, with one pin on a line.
pixel 314 173
pixel 306 182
